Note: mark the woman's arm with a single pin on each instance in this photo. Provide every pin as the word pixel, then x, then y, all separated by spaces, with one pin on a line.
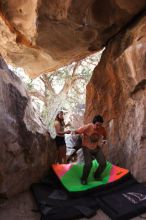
pixel 68 124
pixel 58 129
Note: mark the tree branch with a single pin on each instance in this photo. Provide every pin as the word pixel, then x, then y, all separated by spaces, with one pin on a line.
pixel 75 68
pixel 37 94
pixel 47 83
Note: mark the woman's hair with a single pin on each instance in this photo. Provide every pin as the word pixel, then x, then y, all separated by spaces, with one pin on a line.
pixel 98 118
pixel 59 119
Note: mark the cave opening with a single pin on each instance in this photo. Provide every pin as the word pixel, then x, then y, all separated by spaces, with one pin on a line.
pixel 63 89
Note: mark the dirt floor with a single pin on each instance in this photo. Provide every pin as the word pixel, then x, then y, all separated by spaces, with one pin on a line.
pixel 20 208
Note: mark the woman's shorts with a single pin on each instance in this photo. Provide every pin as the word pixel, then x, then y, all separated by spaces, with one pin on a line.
pixel 60 141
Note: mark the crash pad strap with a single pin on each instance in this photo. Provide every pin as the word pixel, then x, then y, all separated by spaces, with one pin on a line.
pixel 86 211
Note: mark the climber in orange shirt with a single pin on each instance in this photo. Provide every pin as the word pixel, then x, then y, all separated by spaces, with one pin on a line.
pixel 92 134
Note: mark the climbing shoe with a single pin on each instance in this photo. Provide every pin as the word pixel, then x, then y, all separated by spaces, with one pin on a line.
pixel 83 182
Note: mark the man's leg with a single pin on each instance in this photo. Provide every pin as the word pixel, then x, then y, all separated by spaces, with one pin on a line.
pixel 87 165
pixel 78 143
pixel 99 156
pixel 72 156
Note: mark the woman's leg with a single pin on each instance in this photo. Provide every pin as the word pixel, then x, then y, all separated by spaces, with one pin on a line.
pixel 57 156
pixel 62 154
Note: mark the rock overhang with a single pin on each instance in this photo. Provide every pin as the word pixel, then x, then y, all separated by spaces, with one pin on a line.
pixel 41 36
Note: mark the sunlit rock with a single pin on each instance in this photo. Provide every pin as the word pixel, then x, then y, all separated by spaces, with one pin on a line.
pixel 26 150
pixel 41 36
pixel 117 90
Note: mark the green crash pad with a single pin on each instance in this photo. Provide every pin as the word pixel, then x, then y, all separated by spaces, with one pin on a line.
pixel 70 174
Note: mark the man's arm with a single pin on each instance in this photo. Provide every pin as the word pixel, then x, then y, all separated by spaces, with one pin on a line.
pixel 82 129
pixel 104 136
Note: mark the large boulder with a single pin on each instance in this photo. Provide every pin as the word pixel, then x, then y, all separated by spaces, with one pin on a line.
pixel 117 90
pixel 26 150
pixel 43 35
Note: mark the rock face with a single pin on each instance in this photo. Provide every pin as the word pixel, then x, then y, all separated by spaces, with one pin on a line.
pixel 117 90
pixel 43 35
pixel 26 150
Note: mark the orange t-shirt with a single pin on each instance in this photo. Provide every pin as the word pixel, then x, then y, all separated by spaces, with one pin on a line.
pixel 91 136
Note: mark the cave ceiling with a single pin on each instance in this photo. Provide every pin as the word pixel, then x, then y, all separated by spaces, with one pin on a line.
pixel 43 35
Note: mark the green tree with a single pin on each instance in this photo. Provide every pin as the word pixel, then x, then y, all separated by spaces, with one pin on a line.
pixel 62 89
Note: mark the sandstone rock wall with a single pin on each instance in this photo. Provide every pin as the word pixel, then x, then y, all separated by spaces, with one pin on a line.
pixel 43 35
pixel 117 90
pixel 26 150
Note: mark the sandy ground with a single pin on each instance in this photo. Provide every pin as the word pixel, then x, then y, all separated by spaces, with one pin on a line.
pixel 20 208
